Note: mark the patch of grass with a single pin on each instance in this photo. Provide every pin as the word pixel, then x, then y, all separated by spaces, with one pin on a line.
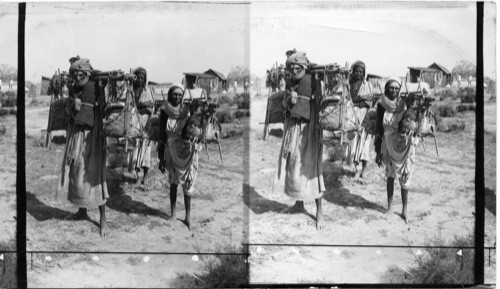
pixel 467 95
pixel 444 94
pixel 8 99
pixel 446 110
pixel 8 111
pixel 465 107
pixel 230 133
pixel 436 265
pixel 242 113
pixel 225 99
pixel 8 267
pixel 224 114
pixel 456 126
pixel 243 100
pixel 220 271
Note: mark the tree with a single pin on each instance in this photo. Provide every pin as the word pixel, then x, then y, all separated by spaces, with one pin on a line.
pixel 464 68
pixel 239 74
pixel 7 73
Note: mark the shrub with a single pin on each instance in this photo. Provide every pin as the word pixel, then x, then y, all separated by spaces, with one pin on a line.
pixel 8 99
pixel 8 267
pixel 452 127
pixel 456 126
pixel 225 100
pixel 243 101
pixel 221 271
pixel 242 113
pixel 438 265
pixel 444 94
pixel 466 107
pixel 8 111
pixel 446 110
pixel 467 95
pixel 224 114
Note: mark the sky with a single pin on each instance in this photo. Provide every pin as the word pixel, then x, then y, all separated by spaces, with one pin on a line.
pixel 167 39
pixel 387 36
pixel 171 38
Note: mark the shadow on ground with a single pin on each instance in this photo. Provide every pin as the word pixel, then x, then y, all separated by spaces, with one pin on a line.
pixel 258 204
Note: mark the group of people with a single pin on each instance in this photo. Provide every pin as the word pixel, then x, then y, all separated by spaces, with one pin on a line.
pixel 83 170
pixel 302 147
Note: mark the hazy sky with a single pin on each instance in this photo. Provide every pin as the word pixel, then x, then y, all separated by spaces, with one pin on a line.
pixel 8 33
pixel 171 38
pixel 165 38
pixel 387 36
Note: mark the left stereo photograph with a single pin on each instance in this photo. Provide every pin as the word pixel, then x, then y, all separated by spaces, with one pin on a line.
pixel 135 144
pixel 8 140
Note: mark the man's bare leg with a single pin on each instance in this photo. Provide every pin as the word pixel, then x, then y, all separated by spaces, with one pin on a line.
pixel 319 215
pixel 173 201
pixel 187 204
pixel 390 194
pixel 103 222
pixel 404 198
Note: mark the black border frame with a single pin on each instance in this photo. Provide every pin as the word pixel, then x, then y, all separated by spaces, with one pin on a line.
pixel 479 179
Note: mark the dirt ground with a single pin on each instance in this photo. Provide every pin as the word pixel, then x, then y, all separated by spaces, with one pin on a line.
pixel 136 216
pixel 8 159
pixel 441 201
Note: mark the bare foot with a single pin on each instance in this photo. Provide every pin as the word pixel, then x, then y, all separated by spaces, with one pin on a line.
pixel 187 223
pixel 172 217
pixel 387 214
pixel 104 229
pixel 295 209
pixel 405 218
pixel 320 223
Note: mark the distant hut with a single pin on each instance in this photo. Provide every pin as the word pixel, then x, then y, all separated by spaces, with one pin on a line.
pixel 426 74
pixel 219 83
pixel 445 77
pixel 44 89
pixel 194 80
pixel 376 81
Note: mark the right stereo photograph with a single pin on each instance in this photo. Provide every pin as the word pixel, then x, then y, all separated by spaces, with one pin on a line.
pixel 362 144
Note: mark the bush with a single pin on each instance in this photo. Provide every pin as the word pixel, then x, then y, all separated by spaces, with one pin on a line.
pixel 444 94
pixel 221 271
pixel 446 110
pixel 438 265
pixel 225 100
pixel 224 114
pixel 8 111
pixel 8 99
pixel 467 95
pixel 243 101
pixel 452 127
pixel 8 277
pixel 466 107
pixel 242 113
